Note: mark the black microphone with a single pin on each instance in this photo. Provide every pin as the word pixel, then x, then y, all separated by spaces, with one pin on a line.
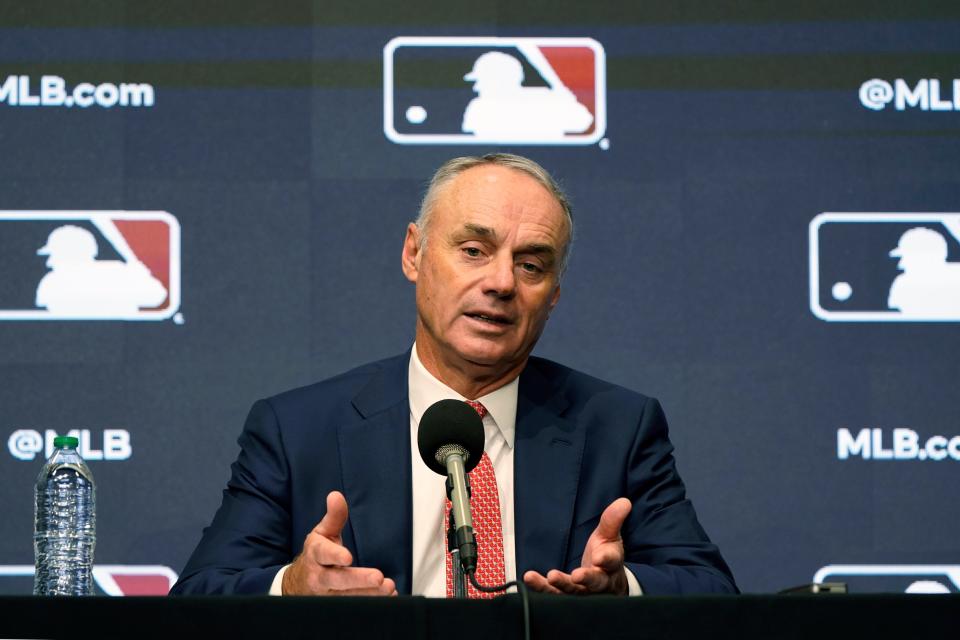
pixel 450 439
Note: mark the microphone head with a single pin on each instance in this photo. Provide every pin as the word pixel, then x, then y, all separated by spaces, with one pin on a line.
pixel 450 425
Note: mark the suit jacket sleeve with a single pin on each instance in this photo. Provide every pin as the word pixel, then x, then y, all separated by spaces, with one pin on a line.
pixel 249 538
pixel 666 548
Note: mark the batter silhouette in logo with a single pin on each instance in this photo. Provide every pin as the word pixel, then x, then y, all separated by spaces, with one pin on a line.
pixel 80 285
pixel 929 285
pixel 504 109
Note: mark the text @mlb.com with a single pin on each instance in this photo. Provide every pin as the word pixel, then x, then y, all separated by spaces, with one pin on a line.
pixel 17 91
pixel 900 444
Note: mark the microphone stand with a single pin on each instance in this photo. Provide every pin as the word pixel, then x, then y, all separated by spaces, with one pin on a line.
pixel 459 577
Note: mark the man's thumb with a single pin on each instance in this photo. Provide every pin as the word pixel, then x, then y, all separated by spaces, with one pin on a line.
pixel 332 523
pixel 613 517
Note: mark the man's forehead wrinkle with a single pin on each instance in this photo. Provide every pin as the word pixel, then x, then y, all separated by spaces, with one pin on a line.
pixel 484 196
pixel 543 234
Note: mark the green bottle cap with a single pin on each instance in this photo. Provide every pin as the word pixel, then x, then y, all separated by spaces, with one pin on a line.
pixel 65 441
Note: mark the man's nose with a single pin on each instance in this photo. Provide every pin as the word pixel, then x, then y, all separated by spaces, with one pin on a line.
pixel 500 278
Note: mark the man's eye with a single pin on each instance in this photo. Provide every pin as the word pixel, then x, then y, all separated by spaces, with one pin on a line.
pixel 473 252
pixel 530 267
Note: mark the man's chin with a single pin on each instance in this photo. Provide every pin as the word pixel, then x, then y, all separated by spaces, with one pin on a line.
pixel 485 355
pixel 485 360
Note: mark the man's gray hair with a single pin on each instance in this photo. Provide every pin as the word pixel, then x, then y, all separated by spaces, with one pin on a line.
pixel 452 168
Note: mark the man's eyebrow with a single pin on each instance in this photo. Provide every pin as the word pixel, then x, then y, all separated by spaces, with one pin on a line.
pixel 534 248
pixel 538 248
pixel 479 230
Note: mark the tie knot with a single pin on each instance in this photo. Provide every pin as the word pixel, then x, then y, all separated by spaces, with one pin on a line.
pixel 478 407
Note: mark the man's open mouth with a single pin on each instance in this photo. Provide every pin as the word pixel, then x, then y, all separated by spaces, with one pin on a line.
pixel 492 319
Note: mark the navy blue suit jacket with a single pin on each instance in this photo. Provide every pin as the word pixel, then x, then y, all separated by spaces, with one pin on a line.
pixel 580 444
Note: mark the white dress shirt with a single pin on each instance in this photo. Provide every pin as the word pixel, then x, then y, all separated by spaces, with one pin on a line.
pixel 429 493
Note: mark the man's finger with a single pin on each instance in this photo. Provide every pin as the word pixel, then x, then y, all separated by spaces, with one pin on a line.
pixel 539 583
pixel 328 553
pixel 335 518
pixel 377 591
pixel 608 556
pixel 613 518
pixel 594 580
pixel 349 578
pixel 562 581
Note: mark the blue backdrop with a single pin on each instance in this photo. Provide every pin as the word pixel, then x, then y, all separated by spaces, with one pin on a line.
pixel 811 439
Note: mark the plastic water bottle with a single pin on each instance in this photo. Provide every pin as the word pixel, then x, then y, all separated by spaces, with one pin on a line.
pixel 64 531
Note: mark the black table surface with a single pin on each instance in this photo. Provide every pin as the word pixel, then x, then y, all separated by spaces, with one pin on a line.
pixel 747 616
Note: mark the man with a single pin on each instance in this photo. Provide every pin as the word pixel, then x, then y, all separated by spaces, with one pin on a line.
pixel 329 496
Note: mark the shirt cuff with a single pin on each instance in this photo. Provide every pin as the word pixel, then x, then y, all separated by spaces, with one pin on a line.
pixel 633 587
pixel 276 587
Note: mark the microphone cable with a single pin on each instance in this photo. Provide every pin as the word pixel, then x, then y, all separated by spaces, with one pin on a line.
pixel 521 588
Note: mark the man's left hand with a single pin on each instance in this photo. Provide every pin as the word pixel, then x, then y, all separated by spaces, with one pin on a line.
pixel 602 569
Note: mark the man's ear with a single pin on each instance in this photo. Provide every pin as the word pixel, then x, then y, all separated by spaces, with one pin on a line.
pixel 410 259
pixel 555 298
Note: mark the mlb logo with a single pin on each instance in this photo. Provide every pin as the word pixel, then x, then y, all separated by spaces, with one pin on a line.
pixel 108 579
pixel 885 267
pixel 89 265
pixel 530 91
pixel 133 579
pixel 893 578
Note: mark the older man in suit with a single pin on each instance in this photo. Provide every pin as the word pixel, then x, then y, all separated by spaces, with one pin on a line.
pixel 577 491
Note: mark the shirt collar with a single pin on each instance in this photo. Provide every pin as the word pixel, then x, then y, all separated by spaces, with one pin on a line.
pixel 425 389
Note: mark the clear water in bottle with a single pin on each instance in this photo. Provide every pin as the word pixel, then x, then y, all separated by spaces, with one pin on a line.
pixel 65 524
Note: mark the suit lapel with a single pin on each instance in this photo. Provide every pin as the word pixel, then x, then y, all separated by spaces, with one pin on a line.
pixel 547 460
pixel 376 467
pixel 375 463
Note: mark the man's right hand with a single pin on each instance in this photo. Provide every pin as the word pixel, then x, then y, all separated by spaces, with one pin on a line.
pixel 323 567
